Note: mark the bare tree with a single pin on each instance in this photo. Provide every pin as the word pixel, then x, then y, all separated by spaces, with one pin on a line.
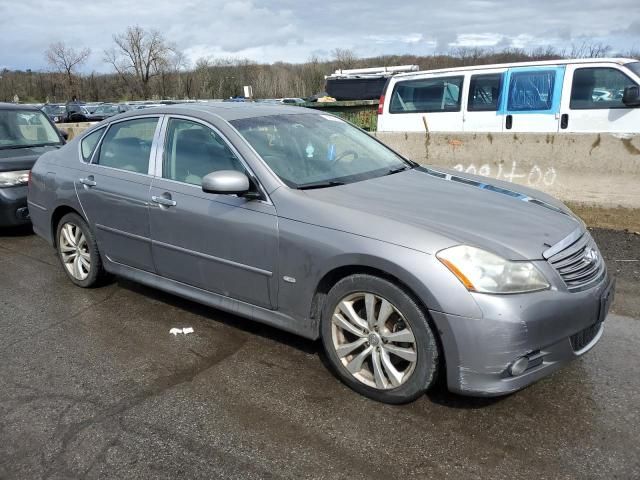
pixel 66 59
pixel 589 50
pixel 344 58
pixel 139 55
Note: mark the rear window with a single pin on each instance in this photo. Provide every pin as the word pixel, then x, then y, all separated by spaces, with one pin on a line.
pixel 440 94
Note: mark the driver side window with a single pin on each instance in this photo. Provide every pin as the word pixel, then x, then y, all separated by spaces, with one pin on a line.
pixel 193 150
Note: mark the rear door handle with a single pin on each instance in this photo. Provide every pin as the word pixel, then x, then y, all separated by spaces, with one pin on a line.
pixel 89 181
pixel 564 121
pixel 508 122
pixel 167 202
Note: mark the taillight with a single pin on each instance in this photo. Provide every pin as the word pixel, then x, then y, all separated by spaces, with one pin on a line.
pixel 381 104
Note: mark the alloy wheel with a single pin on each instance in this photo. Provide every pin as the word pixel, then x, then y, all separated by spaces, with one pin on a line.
pixel 74 251
pixel 373 340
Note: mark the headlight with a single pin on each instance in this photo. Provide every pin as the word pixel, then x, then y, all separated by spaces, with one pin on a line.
pixel 484 272
pixel 13 179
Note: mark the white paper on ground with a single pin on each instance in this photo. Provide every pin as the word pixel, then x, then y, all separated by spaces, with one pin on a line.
pixel 176 331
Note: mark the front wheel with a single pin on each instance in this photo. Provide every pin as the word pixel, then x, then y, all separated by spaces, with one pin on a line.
pixel 378 339
pixel 78 251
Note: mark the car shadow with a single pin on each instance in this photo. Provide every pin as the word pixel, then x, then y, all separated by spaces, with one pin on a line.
pixel 18 231
pixel 438 394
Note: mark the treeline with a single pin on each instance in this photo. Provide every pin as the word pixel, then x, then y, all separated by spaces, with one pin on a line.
pixel 145 66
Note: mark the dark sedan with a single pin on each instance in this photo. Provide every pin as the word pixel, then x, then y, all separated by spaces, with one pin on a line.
pixel 107 110
pixel 25 134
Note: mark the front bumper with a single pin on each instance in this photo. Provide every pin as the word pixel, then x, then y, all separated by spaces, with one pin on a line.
pixel 13 206
pixel 479 351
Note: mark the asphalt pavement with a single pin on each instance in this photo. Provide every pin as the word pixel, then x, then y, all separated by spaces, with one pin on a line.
pixel 93 385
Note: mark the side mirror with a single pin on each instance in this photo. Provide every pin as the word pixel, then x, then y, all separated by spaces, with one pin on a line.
pixel 226 182
pixel 64 134
pixel 631 96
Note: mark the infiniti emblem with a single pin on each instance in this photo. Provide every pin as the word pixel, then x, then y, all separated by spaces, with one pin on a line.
pixel 591 255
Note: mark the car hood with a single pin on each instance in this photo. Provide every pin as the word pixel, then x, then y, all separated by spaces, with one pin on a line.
pixel 21 158
pixel 429 210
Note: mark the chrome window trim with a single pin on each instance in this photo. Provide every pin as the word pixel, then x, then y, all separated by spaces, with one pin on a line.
pixel 161 149
pixel 151 164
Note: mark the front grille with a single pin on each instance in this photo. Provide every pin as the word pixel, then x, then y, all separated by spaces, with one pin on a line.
pixel 584 337
pixel 580 264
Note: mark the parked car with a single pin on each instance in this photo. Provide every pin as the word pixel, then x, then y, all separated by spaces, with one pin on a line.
pixel 108 110
pixel 297 219
pixel 55 111
pixel 548 96
pixel 25 134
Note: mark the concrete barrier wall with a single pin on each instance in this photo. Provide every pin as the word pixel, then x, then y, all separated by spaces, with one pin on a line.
pixel 597 175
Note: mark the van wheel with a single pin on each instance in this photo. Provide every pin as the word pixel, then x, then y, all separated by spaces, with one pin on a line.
pixel 78 251
pixel 378 340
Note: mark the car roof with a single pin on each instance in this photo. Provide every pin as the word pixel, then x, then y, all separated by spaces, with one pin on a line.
pixel 17 106
pixel 228 111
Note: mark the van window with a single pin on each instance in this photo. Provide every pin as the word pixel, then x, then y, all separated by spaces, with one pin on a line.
pixel 531 91
pixel 595 88
pixel 440 94
pixel 484 92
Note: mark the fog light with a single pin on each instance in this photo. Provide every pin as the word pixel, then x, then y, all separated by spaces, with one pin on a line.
pixel 519 366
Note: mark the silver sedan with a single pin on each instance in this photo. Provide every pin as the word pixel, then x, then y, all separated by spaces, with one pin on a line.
pixel 297 219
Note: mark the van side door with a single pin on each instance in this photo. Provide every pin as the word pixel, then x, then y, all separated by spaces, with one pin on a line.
pixel 594 103
pixel 483 98
pixel 432 103
pixel 532 100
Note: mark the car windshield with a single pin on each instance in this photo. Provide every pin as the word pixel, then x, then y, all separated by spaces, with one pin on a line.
pixel 107 109
pixel 54 109
pixel 26 128
pixel 316 150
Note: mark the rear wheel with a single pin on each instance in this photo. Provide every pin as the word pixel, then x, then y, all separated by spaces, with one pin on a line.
pixel 78 251
pixel 378 339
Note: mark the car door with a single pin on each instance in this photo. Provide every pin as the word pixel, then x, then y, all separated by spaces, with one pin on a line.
pixel 483 102
pixel 595 103
pixel 224 244
pixel 532 102
pixel 114 191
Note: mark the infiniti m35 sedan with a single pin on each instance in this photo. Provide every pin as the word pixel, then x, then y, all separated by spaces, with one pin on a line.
pixel 297 219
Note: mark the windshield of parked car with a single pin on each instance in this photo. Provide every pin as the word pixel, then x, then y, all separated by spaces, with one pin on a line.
pixel 107 109
pixel 317 150
pixel 634 67
pixel 54 109
pixel 26 128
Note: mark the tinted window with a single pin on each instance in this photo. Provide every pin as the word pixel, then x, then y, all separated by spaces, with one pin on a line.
pixel 127 145
pixel 634 67
pixel 427 95
pixel 193 150
pixel 530 91
pixel 89 143
pixel 484 92
pixel 598 88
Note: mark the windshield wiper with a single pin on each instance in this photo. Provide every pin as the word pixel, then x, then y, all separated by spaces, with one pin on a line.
pixel 15 147
pixel 399 169
pixel 324 184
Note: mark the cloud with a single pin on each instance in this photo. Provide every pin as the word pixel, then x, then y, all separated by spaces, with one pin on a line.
pixel 291 31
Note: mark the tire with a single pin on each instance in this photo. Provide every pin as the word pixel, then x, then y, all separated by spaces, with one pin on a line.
pixel 84 241
pixel 416 368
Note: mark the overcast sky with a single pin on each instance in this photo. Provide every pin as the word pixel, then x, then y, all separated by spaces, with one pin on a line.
pixel 292 30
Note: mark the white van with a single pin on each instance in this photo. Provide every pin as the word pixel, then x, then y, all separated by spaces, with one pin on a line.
pixel 587 95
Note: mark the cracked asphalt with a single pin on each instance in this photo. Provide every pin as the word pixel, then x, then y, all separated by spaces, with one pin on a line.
pixel 92 385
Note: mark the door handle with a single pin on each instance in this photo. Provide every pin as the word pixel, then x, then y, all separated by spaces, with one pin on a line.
pixel 89 182
pixel 508 122
pixel 564 121
pixel 167 202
